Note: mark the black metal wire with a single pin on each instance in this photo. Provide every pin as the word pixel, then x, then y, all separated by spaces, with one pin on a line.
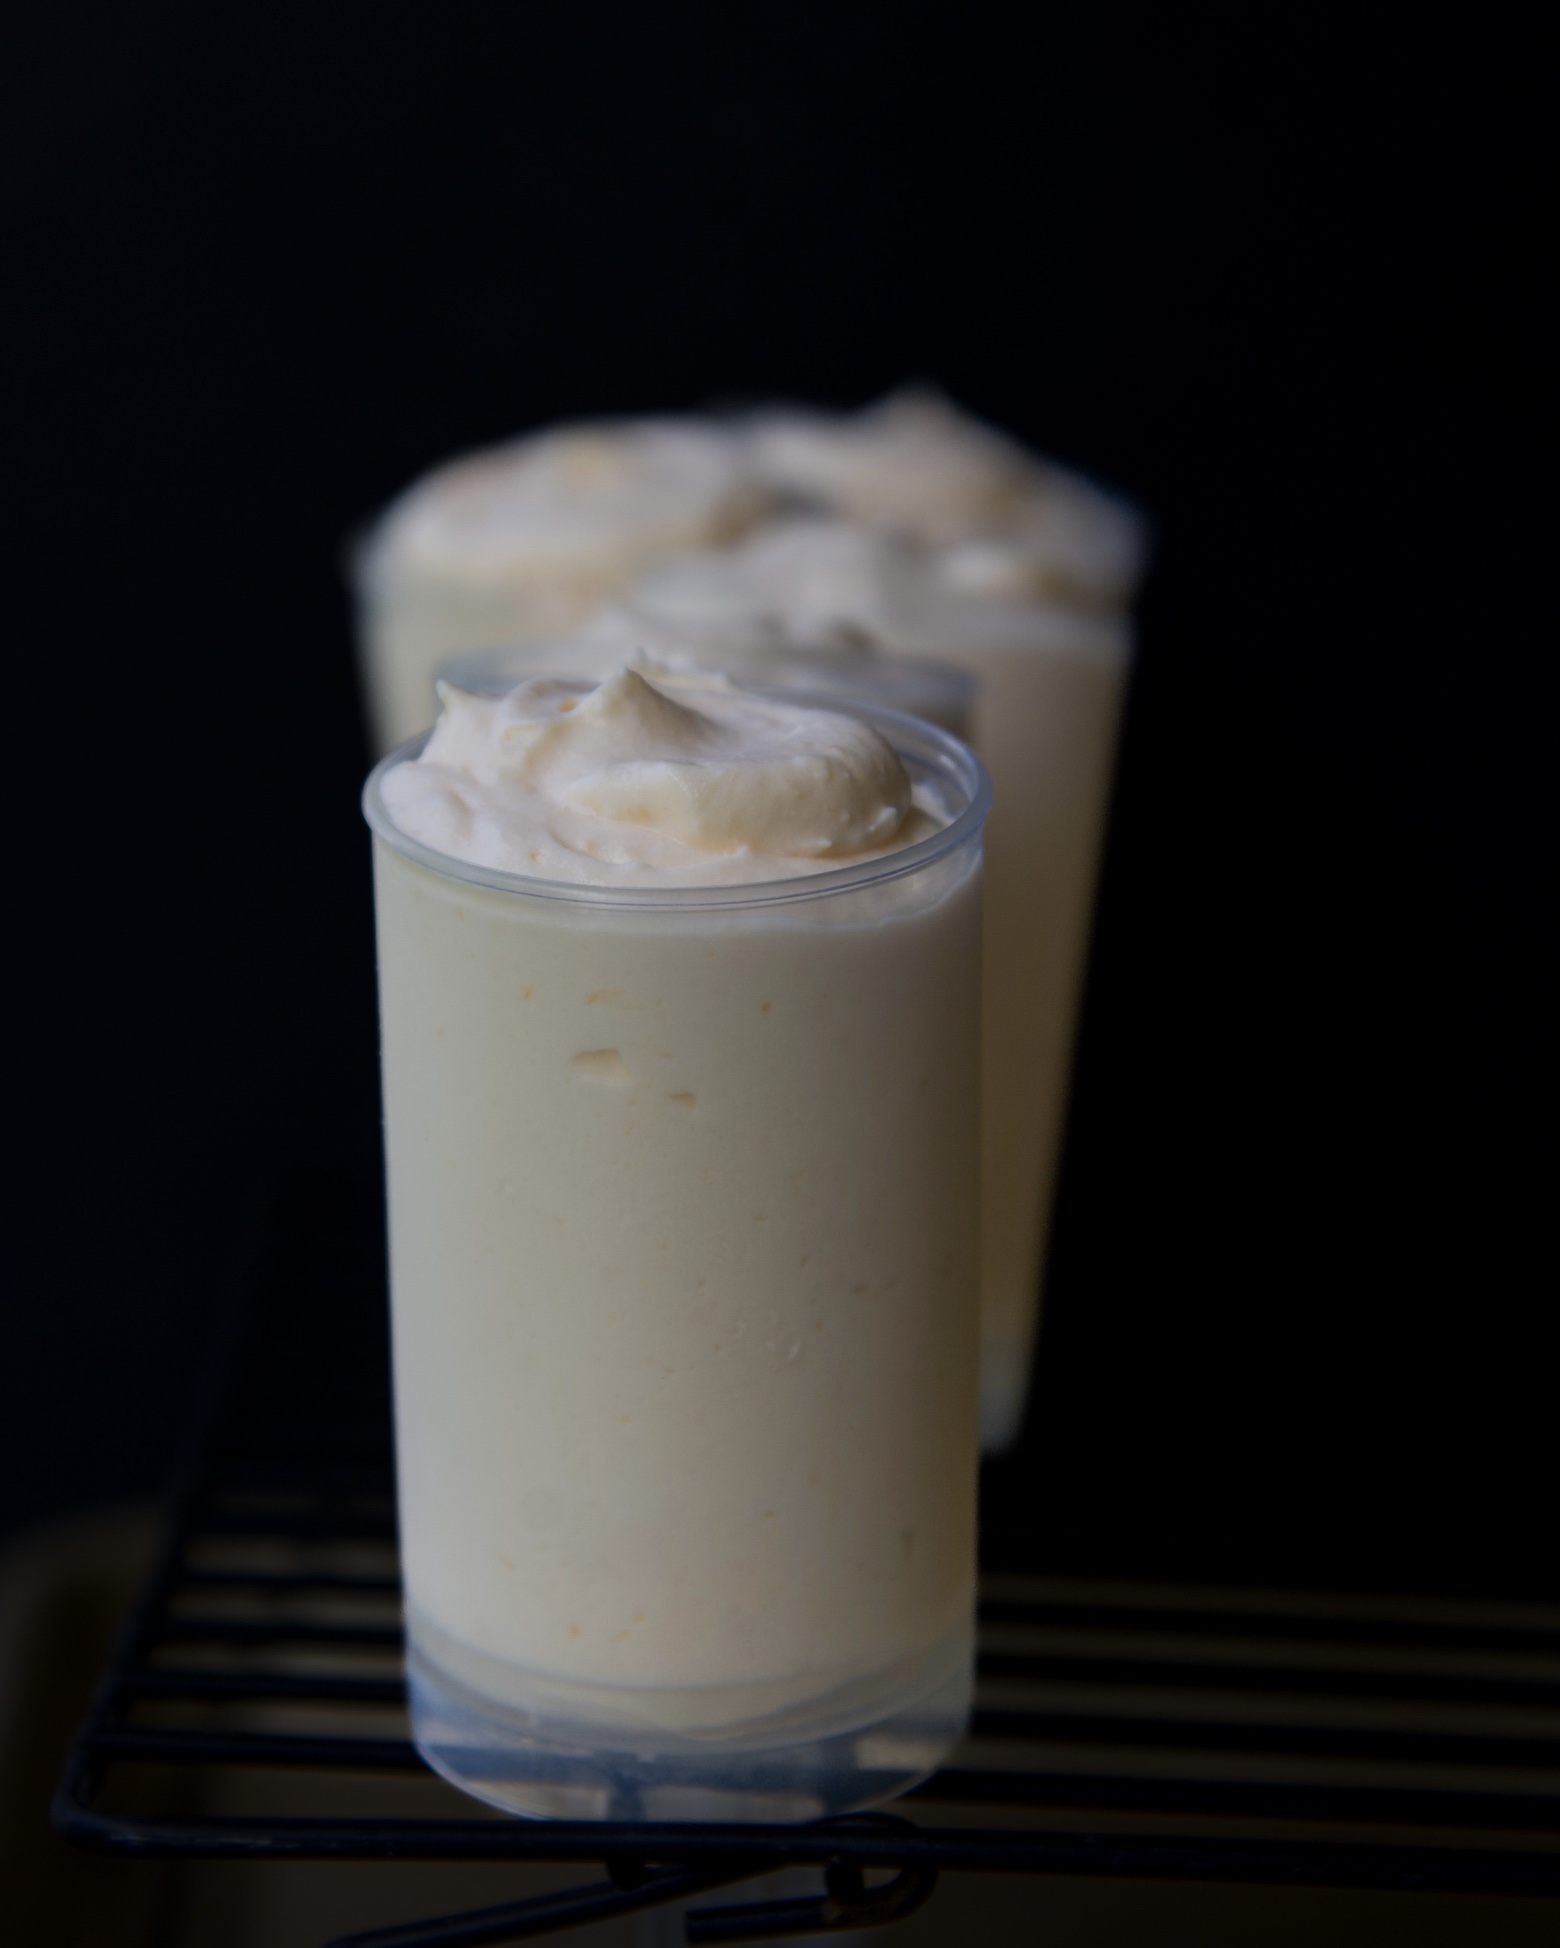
pixel 547 1913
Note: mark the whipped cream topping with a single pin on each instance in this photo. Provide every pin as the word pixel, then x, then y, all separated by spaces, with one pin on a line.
pixel 585 500
pixel 1003 523
pixel 839 595
pixel 809 582
pixel 653 777
pixel 912 464
pixel 1072 542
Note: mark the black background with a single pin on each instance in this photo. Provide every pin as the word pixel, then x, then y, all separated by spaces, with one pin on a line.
pixel 1274 274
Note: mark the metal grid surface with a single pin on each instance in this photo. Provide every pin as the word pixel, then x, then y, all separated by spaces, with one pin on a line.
pixel 1165 1732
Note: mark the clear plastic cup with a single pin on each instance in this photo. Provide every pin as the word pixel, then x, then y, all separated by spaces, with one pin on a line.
pixel 1050 687
pixel 844 677
pixel 683 1192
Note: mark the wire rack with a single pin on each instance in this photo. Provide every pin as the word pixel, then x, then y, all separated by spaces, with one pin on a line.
pixel 1165 1732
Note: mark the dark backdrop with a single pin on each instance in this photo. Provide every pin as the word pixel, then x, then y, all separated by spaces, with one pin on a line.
pixel 1269 272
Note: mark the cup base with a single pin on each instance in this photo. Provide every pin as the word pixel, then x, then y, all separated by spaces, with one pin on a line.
pixel 550 1770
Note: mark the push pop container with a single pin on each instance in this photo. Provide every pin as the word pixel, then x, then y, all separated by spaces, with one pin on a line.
pixel 683 1191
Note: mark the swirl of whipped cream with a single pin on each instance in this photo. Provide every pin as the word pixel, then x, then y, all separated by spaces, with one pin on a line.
pixel 812 582
pixel 655 776
pixel 591 500
pixel 912 464
pixel 1071 543
pixel 1004 524
pixel 844 599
